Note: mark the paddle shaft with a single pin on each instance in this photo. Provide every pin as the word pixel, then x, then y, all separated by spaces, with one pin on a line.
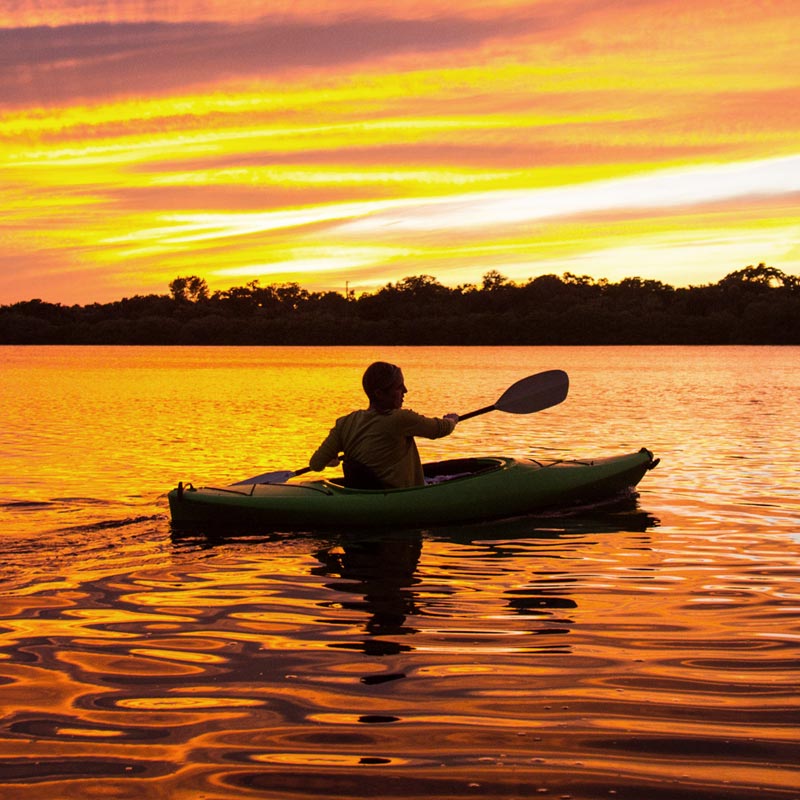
pixel 477 413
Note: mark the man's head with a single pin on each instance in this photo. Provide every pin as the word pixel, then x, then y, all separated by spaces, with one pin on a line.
pixel 384 386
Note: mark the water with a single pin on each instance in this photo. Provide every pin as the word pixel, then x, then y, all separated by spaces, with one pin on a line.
pixel 641 653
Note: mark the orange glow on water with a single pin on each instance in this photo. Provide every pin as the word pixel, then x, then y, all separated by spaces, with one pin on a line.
pixel 631 652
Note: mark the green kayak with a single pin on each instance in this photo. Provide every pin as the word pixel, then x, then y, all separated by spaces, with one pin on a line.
pixel 460 490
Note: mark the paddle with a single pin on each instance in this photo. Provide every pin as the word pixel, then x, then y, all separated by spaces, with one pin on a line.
pixel 273 477
pixel 526 396
pixel 534 393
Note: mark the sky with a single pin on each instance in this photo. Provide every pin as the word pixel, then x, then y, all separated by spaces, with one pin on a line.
pixel 354 143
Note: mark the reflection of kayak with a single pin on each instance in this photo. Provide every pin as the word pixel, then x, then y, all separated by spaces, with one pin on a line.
pixel 479 489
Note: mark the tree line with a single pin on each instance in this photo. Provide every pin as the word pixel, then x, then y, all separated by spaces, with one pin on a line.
pixel 754 305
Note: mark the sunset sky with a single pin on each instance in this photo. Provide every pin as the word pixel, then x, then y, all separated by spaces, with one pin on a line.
pixel 364 141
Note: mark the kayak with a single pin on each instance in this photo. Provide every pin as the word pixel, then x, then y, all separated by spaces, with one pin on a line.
pixel 458 490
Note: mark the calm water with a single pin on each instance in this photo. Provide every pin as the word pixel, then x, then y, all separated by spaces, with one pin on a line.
pixel 651 653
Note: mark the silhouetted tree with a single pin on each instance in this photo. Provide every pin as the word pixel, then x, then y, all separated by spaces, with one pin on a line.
pixel 493 280
pixel 190 289
pixel 760 277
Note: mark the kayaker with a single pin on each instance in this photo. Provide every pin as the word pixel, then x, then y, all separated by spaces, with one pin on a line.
pixel 378 442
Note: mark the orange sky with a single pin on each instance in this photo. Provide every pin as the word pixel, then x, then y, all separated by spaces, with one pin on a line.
pixel 363 142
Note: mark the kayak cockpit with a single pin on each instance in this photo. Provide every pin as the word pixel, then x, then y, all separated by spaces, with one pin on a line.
pixel 442 471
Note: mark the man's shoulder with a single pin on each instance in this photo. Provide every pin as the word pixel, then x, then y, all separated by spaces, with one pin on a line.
pixel 359 412
pixel 405 412
pixel 405 415
pixel 356 417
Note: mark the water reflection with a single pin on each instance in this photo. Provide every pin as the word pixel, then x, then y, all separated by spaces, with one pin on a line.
pixel 292 664
pixel 606 654
pixel 376 576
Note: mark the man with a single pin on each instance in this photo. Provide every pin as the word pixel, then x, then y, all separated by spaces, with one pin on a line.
pixel 378 442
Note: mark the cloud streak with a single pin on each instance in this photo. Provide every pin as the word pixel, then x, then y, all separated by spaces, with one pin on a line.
pixel 680 188
pixel 50 65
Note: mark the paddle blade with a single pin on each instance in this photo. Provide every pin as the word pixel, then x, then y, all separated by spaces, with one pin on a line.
pixel 534 393
pixel 267 477
pixel 273 477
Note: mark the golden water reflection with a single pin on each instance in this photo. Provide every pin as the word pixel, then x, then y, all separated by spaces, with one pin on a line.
pixel 567 659
pixel 648 652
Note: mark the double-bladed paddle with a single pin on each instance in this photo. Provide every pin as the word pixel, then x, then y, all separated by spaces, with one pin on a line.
pixel 526 396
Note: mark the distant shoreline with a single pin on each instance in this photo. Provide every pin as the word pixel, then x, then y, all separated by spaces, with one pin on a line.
pixel 752 306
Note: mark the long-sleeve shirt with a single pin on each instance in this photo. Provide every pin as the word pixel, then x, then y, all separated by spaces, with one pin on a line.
pixel 384 442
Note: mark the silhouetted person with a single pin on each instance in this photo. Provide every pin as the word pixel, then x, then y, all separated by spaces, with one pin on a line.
pixel 378 442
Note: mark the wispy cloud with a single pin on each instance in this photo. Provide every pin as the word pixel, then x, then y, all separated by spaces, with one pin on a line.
pixel 498 210
pixel 57 64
